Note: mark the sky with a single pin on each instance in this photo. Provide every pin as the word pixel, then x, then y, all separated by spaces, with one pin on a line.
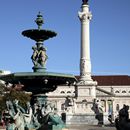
pixel 109 35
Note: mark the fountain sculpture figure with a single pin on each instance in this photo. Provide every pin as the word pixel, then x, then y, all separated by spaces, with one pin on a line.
pixel 39 55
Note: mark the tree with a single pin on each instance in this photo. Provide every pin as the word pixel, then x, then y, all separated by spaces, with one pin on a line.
pixel 22 96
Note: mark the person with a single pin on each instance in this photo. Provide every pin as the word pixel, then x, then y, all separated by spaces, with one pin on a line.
pixel 123 113
pixel 63 116
pixel 98 109
pixel 122 122
pixel 110 119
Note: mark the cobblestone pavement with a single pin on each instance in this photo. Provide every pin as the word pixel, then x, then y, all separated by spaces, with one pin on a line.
pixel 88 127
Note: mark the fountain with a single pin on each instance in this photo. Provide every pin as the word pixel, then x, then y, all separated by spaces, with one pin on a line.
pixel 39 56
pixel 40 81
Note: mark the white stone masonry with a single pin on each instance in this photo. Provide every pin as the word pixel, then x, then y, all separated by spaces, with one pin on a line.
pixel 85 62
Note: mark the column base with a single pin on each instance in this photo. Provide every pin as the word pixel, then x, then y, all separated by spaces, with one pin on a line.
pixel 87 82
pixel 81 119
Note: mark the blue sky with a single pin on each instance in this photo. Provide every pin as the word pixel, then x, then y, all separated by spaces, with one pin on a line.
pixel 110 35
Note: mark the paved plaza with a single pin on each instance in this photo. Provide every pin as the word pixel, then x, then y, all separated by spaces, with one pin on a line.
pixel 88 127
pixel 84 127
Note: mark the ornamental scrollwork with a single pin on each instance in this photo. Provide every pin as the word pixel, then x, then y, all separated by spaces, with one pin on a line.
pixel 84 16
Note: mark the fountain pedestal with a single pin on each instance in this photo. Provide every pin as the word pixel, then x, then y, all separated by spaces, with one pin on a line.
pixel 39 69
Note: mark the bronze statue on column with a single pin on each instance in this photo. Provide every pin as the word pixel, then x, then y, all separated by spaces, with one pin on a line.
pixel 85 2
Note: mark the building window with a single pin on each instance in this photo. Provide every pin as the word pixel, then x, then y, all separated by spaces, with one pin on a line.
pixel 117 91
pixel 62 92
pixel 68 92
pixel 62 106
pixel 124 91
pixel 117 107
pixel 84 101
pixel 110 109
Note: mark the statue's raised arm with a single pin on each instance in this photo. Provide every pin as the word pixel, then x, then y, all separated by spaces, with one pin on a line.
pixel 85 1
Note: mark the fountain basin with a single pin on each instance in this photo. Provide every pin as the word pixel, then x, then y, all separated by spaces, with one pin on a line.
pixel 39 82
pixel 39 35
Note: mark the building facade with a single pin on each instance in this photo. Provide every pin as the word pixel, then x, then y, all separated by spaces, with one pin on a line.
pixel 112 92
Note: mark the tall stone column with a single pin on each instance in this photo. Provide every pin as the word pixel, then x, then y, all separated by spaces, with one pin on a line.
pixel 85 62
pixel 86 88
pixel 86 85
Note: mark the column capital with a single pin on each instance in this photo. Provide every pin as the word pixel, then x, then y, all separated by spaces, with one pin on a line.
pixel 85 16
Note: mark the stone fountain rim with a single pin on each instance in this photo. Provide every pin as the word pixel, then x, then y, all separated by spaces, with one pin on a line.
pixel 33 75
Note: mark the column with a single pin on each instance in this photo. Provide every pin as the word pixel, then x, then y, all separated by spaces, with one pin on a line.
pixel 85 62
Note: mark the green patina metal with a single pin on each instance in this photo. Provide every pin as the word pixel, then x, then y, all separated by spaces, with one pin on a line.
pixel 39 35
pixel 39 21
pixel 39 56
pixel 40 81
